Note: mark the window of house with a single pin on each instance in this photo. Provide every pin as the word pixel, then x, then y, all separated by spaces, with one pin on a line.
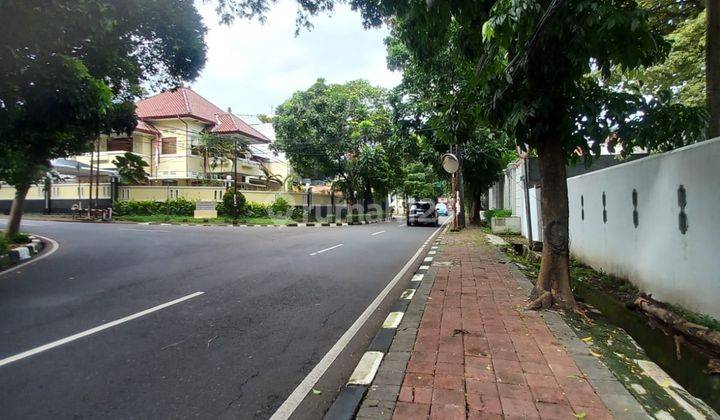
pixel 169 145
pixel 194 143
pixel 120 145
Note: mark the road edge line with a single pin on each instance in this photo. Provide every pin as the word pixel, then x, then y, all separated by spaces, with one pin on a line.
pixel 295 398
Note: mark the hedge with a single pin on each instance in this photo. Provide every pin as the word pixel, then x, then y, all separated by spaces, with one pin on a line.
pixel 177 207
pixel 489 214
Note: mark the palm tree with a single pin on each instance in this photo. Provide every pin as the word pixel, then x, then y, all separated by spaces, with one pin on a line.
pixel 216 149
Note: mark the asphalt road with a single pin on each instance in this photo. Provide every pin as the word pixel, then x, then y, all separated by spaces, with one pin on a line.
pixel 272 305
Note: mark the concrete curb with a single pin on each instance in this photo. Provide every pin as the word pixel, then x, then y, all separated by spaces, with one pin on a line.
pixel 308 224
pixel 27 254
pixel 396 335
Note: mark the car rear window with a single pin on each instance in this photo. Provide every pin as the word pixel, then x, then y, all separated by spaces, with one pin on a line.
pixel 422 206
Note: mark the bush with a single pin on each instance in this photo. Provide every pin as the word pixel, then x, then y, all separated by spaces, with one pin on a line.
pixel 177 207
pixel 298 213
pixel 489 214
pixel 226 207
pixel 256 210
pixel 3 244
pixel 280 206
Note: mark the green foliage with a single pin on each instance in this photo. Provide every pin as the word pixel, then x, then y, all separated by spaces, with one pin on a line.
pixel 421 182
pixel 253 209
pixel 280 206
pixel 5 242
pixel 698 318
pixel 489 214
pixel 131 169
pixel 298 213
pixel 218 150
pixel 338 132
pixel 177 207
pixel 226 207
pixel 682 73
pixel 71 70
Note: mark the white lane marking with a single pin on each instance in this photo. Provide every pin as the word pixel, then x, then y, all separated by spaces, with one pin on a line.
pixel 408 294
pixel 99 328
pixel 393 319
pixel 377 233
pixel 148 230
pixel 366 368
pixel 46 254
pixel 299 393
pixel 327 249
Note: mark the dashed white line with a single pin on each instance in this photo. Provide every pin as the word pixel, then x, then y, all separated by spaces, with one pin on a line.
pixel 377 233
pixel 326 249
pixel 147 230
pixel 99 328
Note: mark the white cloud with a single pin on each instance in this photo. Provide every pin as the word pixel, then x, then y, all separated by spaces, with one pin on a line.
pixel 253 67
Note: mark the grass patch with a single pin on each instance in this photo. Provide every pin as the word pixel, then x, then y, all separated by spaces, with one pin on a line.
pixel 697 318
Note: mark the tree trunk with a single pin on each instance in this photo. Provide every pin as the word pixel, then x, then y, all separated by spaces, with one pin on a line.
pixel 475 209
pixel 461 192
pixel 712 66
pixel 553 284
pixel 13 227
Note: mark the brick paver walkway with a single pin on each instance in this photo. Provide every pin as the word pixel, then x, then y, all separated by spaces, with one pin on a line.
pixel 479 355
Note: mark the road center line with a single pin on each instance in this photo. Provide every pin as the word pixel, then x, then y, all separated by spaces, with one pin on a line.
pixel 377 233
pixel 99 328
pixel 148 230
pixel 297 396
pixel 326 249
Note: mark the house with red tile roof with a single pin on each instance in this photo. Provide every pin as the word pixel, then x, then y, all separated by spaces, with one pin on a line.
pixel 167 135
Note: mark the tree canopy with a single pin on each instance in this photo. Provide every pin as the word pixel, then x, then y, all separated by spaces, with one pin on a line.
pixel 338 132
pixel 72 68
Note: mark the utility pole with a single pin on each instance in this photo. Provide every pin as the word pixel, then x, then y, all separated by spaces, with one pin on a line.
pixel 90 179
pixel 235 175
pixel 97 173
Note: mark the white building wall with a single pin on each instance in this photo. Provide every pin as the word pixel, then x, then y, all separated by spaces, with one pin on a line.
pixel 655 255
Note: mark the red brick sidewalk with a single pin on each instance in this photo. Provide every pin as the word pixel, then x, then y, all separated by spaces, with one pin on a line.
pixel 479 355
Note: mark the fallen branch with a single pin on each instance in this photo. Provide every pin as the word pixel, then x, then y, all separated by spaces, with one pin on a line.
pixel 699 333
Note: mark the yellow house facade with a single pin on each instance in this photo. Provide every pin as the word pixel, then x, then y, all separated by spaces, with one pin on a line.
pixel 168 131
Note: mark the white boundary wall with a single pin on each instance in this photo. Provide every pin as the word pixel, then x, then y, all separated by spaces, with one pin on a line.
pixel 655 255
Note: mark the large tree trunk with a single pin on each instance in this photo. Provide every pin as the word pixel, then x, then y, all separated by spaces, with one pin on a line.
pixel 712 66
pixel 13 227
pixel 475 209
pixel 553 284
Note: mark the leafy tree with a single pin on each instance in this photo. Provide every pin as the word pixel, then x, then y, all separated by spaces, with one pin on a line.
pixel 712 66
pixel 421 182
pixel 71 69
pixel 532 60
pixel 337 131
pixel 682 73
pixel 435 101
pixel 264 118
pixel 131 168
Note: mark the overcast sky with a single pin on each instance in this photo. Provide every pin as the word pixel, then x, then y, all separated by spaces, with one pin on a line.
pixel 254 67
